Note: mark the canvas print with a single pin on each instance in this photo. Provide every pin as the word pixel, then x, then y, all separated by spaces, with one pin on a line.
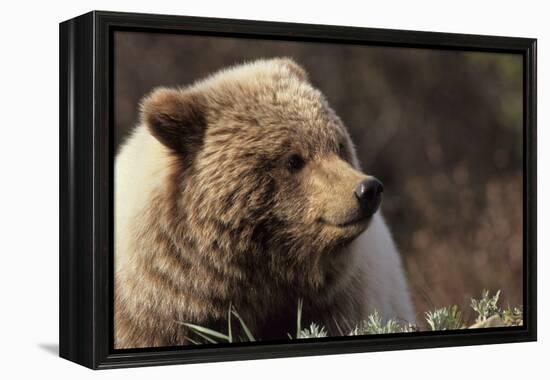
pixel 271 190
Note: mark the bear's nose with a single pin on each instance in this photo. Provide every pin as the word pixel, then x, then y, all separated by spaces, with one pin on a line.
pixel 369 193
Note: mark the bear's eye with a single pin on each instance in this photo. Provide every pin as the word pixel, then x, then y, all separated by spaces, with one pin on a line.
pixel 295 163
pixel 342 151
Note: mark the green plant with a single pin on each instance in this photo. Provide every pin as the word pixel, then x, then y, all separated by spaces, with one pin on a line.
pixel 486 306
pixel 446 318
pixel 314 331
pixel 513 316
pixel 375 325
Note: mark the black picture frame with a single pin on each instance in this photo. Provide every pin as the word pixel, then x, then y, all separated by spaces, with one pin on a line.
pixel 86 177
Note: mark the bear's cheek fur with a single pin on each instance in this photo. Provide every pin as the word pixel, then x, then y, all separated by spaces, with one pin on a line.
pixel 232 203
pixel 306 209
pixel 330 187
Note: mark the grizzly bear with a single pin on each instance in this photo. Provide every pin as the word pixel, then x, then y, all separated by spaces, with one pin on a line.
pixel 244 189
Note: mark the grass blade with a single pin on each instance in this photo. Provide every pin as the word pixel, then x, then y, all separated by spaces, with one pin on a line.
pixel 244 327
pixel 192 340
pixel 299 318
pixel 229 332
pixel 206 331
pixel 338 326
pixel 205 337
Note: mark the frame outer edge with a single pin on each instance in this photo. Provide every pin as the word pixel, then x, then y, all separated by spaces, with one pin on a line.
pixel 76 334
pixel 66 328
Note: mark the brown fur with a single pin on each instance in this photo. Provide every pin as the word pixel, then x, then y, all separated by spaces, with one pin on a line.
pixel 231 224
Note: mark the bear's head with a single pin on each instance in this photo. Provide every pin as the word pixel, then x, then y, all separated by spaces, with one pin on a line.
pixel 263 171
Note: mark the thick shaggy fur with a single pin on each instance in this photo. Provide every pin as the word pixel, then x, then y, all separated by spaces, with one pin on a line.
pixel 209 213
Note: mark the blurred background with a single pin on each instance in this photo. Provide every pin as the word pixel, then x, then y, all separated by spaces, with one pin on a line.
pixel 441 129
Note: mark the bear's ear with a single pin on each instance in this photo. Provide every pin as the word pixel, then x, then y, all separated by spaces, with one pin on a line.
pixel 176 118
pixel 294 68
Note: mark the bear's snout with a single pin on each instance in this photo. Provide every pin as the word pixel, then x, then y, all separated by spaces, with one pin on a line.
pixel 369 194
